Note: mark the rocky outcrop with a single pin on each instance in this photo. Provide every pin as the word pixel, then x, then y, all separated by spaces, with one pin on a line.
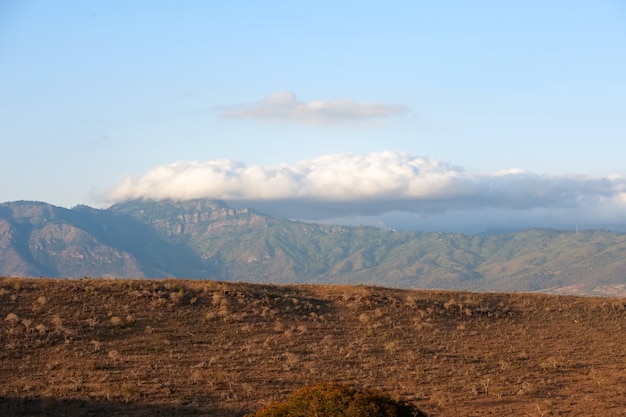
pixel 195 218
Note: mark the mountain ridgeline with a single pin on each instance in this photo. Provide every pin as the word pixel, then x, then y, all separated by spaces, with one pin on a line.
pixel 208 239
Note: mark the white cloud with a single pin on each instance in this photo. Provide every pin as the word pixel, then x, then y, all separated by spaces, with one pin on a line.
pixel 348 185
pixel 338 178
pixel 284 106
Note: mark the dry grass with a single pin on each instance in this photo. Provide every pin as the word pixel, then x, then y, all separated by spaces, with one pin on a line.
pixel 124 347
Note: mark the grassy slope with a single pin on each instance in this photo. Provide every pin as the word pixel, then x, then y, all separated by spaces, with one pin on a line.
pixel 207 240
pixel 174 347
pixel 524 261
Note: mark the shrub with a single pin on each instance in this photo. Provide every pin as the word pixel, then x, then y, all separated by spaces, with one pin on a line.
pixel 12 318
pixel 329 400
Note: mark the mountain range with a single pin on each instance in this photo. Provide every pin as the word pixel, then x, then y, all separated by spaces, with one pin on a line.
pixel 210 240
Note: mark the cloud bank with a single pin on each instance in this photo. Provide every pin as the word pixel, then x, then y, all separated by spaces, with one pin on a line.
pixel 284 106
pixel 388 184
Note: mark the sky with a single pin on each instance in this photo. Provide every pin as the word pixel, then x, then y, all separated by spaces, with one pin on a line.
pixel 424 115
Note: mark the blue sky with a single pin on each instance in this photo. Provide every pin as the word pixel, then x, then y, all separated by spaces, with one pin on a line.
pixel 428 112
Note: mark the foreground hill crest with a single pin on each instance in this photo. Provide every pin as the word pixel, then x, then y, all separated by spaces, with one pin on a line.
pixel 209 239
pixel 205 348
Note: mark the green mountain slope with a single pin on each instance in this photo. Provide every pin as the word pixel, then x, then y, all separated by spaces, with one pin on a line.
pixel 209 239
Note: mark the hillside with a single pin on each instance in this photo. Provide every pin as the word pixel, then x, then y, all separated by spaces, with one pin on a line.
pixel 206 239
pixel 207 348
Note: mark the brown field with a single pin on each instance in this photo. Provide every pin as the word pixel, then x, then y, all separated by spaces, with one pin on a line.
pixel 206 348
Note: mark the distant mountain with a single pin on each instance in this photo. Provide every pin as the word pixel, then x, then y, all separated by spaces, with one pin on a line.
pixel 209 239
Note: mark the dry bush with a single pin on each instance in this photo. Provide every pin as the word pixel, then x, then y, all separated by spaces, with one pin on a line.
pixel 329 400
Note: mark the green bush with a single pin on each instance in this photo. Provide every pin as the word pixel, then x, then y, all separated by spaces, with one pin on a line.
pixel 329 400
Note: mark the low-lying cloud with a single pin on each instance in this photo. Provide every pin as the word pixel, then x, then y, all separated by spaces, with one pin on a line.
pixel 344 186
pixel 284 106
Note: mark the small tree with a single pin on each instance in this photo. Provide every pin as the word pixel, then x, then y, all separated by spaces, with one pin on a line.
pixel 330 400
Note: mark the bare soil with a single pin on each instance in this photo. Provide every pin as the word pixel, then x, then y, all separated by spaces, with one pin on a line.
pixel 206 348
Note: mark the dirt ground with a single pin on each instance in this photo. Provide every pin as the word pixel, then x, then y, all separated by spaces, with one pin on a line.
pixel 206 348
